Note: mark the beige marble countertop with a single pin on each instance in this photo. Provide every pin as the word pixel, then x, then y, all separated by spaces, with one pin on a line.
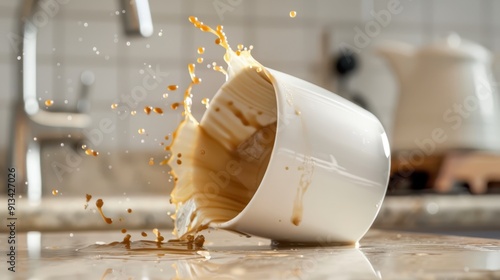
pixel 440 212
pixel 381 255
pixel 414 213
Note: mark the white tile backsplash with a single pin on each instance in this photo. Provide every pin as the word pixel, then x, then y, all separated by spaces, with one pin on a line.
pixel 8 44
pixel 292 45
pixel 280 9
pixel 101 135
pixel 45 82
pixel 339 10
pixel 101 93
pixel 458 12
pixel 494 12
pixel 46 37
pixel 165 47
pixel 5 117
pixel 280 44
pixel 162 8
pixel 156 128
pixel 141 79
pixel 85 37
pixel 92 5
pixel 223 10
pixel 411 11
pixel 7 94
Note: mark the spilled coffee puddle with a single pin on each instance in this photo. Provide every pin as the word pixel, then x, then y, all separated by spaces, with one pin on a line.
pixel 189 245
pixel 145 249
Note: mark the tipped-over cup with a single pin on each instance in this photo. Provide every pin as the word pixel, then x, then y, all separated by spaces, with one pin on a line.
pixel 327 172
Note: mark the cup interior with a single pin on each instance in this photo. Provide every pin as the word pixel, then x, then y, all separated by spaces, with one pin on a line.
pixel 242 120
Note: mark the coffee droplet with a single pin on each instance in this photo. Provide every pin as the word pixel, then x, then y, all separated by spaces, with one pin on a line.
pixel 172 87
pixel 91 152
pixel 159 237
pixel 205 101
pixel 114 106
pixel 199 60
pixel 174 106
pixel 129 210
pixel 99 203
pixel 201 50
pixel 124 230
pixel 158 110
pixel 191 70
pixel 293 14
pixel 88 197
pixel 151 161
pixel 49 102
pixel 55 192
pixel 144 234
pixel 126 241
pixel 147 110
pixel 141 131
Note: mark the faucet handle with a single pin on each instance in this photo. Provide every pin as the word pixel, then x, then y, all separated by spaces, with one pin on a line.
pixel 87 78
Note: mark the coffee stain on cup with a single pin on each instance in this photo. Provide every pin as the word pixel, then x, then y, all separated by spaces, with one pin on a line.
pixel 307 170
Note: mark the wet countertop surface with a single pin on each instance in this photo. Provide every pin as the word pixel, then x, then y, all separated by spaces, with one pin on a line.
pixel 381 255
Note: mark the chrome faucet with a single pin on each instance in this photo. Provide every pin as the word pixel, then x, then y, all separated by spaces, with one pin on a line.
pixel 31 125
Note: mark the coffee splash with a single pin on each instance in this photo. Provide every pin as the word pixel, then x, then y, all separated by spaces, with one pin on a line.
pixel 224 157
pixel 189 244
pixel 99 204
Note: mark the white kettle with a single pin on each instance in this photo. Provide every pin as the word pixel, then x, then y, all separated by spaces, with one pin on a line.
pixel 447 97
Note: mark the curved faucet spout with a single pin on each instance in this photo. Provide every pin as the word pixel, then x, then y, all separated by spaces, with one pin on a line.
pixel 137 18
pixel 27 113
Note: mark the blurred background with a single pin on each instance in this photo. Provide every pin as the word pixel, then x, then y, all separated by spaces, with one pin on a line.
pixel 85 62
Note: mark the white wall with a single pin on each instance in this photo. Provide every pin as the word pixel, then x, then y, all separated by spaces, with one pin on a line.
pixel 291 45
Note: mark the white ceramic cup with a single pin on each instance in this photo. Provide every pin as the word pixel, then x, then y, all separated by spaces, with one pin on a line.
pixel 329 165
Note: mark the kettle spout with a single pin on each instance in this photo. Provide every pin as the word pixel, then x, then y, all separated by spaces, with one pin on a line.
pixel 400 57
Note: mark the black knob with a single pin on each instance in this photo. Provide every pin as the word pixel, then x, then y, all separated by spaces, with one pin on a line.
pixel 345 63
